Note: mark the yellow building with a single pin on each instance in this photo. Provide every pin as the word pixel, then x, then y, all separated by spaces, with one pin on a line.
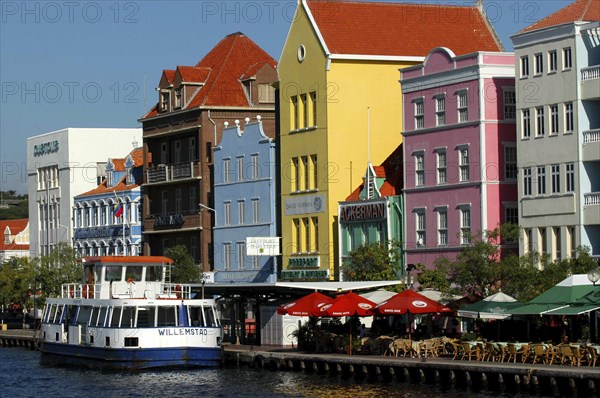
pixel 341 106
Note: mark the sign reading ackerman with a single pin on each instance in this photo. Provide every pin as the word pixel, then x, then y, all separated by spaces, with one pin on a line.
pixel 304 204
pixel 366 211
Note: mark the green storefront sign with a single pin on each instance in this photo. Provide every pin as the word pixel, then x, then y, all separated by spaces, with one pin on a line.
pixel 303 262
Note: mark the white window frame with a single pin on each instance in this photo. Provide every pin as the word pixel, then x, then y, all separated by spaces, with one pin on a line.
pixel 226 166
pixel 525 66
pixel 526 123
pixel 255 166
pixel 541 180
pixel 420 228
pixel 440 110
pixel 227 255
pixel 538 61
pixel 419 168
pixel 569 118
pixel 510 103
pixel 540 128
pixel 527 181
pixel 465 224
pixel 241 255
pixel 462 106
pixel 256 210
pixel 241 212
pixel 419 106
pixel 511 170
pixel 441 164
pixel 240 168
pixel 552 61
pixel 570 180
pixel 464 163
pixel 442 214
pixel 554 119
pixel 227 213
pixel 567 58
pixel 555 172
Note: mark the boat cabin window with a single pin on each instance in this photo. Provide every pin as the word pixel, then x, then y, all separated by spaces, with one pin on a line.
pixel 51 311
pixel 133 272
pixel 102 313
pixel 128 317
pixel 115 317
pixel 209 317
pixel 145 317
pixel 167 316
pixel 113 273
pixel 89 274
pixel 153 274
pixel 83 316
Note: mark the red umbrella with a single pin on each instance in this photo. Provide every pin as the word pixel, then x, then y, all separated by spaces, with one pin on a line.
pixel 350 304
pixel 412 302
pixel 309 305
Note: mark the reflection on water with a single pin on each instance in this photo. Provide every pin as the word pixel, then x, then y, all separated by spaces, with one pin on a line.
pixel 22 375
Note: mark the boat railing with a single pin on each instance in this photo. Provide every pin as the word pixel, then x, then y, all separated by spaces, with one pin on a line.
pixel 176 290
pixel 78 291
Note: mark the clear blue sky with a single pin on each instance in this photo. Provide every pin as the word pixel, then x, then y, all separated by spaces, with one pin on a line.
pixel 96 63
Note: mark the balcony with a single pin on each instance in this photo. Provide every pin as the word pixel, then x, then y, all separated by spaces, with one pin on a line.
pixel 591 208
pixel 163 174
pixel 590 82
pixel 591 145
pixel 187 220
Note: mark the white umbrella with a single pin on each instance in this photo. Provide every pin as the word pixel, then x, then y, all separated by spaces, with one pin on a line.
pixel 496 306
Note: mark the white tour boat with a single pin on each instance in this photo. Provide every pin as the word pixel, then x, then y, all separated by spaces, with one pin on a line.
pixel 126 315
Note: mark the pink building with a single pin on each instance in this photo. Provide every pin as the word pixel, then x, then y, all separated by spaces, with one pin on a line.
pixel 459 150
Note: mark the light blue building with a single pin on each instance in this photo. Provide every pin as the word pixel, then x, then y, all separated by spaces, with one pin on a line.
pixel 244 198
pixel 100 230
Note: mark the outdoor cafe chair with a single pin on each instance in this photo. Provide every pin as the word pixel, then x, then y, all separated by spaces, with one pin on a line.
pixel 401 346
pixel 428 347
pixel 540 353
pixel 593 355
pixel 566 354
pixel 470 350
pixel 514 353
pixel 579 354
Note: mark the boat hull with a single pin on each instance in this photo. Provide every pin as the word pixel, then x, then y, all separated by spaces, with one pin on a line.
pixel 134 358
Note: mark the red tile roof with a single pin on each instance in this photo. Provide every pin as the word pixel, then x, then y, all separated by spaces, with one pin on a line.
pixel 580 10
pixel 221 70
pixel 16 226
pixel 192 74
pixel 401 29
pixel 169 74
pixel 137 155
pixel 392 171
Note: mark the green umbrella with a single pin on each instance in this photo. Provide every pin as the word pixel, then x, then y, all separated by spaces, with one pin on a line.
pixel 496 306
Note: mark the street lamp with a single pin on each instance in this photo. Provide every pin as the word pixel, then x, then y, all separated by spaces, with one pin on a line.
pixel 594 275
pixel 203 206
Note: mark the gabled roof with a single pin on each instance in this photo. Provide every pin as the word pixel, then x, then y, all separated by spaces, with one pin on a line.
pixel 580 10
pixel 16 227
pixel 169 75
pixel 401 29
pixel 192 74
pixel 137 155
pixel 392 173
pixel 221 71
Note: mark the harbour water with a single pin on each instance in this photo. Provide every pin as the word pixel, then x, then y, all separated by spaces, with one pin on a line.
pixel 22 375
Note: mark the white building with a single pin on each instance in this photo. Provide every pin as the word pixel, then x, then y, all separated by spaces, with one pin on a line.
pixel 60 165
pixel 558 133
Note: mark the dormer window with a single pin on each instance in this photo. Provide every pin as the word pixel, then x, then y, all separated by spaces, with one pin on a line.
pixel 248 89
pixel 165 97
pixel 178 97
pixel 109 179
pixel 7 236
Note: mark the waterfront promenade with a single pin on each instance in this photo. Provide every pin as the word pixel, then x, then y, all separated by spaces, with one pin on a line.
pixel 536 379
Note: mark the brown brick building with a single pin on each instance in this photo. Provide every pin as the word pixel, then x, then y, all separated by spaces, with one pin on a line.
pixel 232 82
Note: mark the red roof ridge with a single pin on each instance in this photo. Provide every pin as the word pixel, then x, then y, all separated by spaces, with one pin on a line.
pixel 401 29
pixel 579 10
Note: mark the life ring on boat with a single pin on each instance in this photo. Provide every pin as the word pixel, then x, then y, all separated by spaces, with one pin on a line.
pixel 178 291
pixel 130 280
